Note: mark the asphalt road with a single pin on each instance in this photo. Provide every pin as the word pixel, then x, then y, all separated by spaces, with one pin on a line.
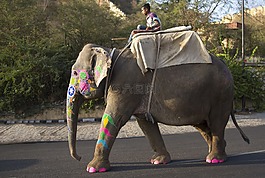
pixel 130 158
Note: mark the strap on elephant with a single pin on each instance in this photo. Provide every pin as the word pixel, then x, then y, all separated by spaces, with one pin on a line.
pixel 148 115
pixel 109 74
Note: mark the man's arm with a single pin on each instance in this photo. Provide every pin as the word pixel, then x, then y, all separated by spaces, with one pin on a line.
pixel 155 26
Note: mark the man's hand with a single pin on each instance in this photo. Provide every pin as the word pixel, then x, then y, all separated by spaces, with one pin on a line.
pixel 137 31
pixel 148 28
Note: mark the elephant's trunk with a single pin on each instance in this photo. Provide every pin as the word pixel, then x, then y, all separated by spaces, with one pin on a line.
pixel 73 104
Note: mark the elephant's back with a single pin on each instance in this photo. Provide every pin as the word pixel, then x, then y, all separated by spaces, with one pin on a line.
pixel 196 76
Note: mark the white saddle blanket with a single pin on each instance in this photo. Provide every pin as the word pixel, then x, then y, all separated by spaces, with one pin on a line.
pixel 160 49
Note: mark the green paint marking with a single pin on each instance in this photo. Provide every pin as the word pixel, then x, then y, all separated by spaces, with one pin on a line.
pixel 98 68
pixel 106 116
pixel 102 135
pixel 83 75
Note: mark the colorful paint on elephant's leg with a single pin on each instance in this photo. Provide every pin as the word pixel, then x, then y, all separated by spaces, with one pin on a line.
pixel 106 124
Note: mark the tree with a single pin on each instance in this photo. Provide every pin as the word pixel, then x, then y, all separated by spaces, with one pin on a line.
pixel 29 61
pixel 85 22
pixel 39 43
pixel 198 13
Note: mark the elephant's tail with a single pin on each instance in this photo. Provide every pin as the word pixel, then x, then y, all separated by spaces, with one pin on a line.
pixel 240 130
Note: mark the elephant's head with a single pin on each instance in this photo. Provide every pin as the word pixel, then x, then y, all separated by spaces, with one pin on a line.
pixel 87 73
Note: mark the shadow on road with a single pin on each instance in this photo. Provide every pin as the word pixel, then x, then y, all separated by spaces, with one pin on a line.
pixel 244 159
pixel 11 165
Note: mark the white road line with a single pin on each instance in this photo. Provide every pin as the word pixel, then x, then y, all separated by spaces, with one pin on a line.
pixel 247 153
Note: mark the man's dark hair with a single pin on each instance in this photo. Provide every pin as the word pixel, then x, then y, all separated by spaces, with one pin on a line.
pixel 147 6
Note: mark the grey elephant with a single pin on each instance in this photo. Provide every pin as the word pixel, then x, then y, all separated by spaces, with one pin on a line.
pixel 200 95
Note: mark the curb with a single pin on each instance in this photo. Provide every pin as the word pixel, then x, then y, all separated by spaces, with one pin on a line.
pixel 84 120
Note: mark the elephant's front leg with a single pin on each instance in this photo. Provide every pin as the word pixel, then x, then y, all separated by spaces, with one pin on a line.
pixel 107 135
pixel 152 133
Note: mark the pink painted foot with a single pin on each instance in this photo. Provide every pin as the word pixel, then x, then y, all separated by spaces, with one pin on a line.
pixel 214 161
pixel 91 170
pixel 94 170
pixel 102 170
pixel 157 162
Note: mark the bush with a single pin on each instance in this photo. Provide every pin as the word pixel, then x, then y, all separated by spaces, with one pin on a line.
pixel 32 74
pixel 248 81
pixel 39 44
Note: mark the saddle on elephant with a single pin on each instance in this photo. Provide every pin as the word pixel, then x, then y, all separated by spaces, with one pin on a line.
pixel 170 47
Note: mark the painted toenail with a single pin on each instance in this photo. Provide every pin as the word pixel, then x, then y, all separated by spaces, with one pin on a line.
pixel 91 170
pixel 102 170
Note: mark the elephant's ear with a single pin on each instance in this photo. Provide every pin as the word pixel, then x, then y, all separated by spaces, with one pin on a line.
pixel 102 63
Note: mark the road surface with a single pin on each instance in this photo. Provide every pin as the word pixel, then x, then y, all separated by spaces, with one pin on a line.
pixel 130 158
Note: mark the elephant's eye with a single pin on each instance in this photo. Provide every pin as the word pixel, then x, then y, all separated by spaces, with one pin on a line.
pixel 75 73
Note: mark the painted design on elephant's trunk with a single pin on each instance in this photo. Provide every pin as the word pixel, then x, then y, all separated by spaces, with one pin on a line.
pixel 105 130
pixel 69 105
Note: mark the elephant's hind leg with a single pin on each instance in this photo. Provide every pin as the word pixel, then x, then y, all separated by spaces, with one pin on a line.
pixel 218 154
pixel 206 133
pixel 152 133
pixel 217 127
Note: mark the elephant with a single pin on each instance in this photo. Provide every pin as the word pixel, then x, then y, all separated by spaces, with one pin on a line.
pixel 200 95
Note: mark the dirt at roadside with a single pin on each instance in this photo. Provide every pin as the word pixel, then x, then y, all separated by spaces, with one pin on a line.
pixel 55 113
pixel 23 133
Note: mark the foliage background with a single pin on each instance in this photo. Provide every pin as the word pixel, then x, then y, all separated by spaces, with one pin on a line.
pixel 40 42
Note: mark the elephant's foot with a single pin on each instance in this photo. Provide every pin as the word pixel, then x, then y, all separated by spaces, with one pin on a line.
pixel 94 170
pixel 160 158
pixel 216 158
pixel 98 166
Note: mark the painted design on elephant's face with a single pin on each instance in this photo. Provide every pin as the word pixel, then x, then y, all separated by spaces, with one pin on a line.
pixel 71 91
pixel 98 71
pixel 80 79
pixel 83 75
pixel 84 85
pixel 106 123
pixel 73 81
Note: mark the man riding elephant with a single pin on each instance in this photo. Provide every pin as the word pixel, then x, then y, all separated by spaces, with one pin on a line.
pixel 153 23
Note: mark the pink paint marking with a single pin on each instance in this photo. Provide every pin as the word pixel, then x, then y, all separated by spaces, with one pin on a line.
pixel 91 170
pixel 214 161
pixel 83 86
pixel 102 170
pixel 97 73
pixel 68 119
pixel 106 131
